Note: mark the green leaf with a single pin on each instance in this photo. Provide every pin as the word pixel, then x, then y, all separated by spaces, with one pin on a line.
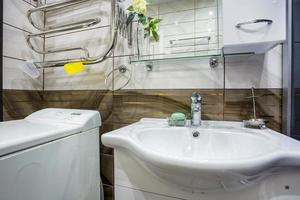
pixel 142 19
pixel 155 36
pixel 156 21
pixel 146 35
pixel 130 8
pixel 146 32
pixel 153 26
pixel 130 18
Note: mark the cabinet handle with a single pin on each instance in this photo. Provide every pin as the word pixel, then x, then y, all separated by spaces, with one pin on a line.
pixel 268 21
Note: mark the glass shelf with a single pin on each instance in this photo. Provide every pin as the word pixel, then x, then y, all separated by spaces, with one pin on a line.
pixel 184 55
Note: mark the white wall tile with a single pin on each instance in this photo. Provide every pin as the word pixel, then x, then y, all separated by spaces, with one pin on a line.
pixel 90 79
pixel 123 48
pixel 259 71
pixel 15 13
pixel 175 6
pixel 95 40
pixel 206 13
pixel 83 11
pixel 14 44
pixel 15 29
pixel 182 16
pixel 14 78
pixel 184 74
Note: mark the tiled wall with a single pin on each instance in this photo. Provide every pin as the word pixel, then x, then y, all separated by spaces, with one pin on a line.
pixel 157 93
pixel 15 49
pixel 95 39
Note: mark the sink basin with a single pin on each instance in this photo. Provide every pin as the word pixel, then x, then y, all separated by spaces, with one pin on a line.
pixel 210 145
pixel 221 156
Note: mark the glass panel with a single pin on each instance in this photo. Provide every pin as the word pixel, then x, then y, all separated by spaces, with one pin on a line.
pixel 187 29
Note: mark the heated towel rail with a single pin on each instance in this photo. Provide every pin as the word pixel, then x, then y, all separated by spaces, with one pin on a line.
pixel 115 22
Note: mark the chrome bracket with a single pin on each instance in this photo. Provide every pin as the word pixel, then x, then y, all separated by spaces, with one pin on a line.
pixel 149 67
pixel 213 62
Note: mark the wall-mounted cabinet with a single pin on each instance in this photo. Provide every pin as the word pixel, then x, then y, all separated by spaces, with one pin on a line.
pixel 253 25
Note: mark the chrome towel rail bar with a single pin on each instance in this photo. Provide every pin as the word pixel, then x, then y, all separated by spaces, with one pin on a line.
pixel 208 38
pixel 69 27
pixel 52 7
pixel 73 26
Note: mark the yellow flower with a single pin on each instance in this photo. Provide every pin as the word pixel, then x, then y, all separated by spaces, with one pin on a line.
pixel 140 6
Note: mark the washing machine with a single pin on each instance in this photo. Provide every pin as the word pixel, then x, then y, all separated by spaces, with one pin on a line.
pixel 53 154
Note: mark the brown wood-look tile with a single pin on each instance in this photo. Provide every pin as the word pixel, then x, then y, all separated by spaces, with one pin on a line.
pixel 20 103
pixel 107 169
pixel 269 106
pixel 91 100
pixel 132 105
pixel 85 100
pixel 106 127
pixel 108 192
pixel 57 99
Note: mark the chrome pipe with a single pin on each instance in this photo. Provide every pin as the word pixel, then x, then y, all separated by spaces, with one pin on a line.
pixel 91 60
pixel 74 26
pixel 70 27
pixel 193 38
pixel 51 7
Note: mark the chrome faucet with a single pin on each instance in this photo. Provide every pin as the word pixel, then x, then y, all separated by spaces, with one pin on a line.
pixel 196 109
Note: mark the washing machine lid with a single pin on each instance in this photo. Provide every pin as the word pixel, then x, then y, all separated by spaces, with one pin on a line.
pixel 45 126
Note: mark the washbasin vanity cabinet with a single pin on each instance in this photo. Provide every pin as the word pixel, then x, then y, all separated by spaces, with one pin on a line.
pixel 253 26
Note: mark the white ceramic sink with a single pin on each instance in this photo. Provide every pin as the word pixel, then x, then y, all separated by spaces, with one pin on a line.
pixel 224 155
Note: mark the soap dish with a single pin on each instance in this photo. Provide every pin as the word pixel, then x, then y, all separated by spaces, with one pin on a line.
pixel 173 122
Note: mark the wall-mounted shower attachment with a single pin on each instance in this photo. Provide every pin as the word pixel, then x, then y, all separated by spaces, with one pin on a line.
pixel 123 71
pixel 124 30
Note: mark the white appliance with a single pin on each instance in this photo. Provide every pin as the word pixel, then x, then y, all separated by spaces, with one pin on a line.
pixel 52 154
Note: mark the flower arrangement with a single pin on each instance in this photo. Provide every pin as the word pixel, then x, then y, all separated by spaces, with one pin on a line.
pixel 139 8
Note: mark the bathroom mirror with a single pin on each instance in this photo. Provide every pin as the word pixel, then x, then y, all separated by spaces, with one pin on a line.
pixel 188 29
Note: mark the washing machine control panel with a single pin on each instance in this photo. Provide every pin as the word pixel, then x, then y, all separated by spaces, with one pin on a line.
pixel 67 116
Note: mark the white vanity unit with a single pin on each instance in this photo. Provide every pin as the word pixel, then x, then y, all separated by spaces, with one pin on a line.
pixel 216 161
pixel 52 154
pixel 253 25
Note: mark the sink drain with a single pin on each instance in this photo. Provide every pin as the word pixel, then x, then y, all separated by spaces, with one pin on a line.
pixel 196 133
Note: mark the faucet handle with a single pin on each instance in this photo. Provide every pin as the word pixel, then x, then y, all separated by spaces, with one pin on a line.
pixel 196 97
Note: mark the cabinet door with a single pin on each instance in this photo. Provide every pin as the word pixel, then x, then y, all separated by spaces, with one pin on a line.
pixel 235 12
